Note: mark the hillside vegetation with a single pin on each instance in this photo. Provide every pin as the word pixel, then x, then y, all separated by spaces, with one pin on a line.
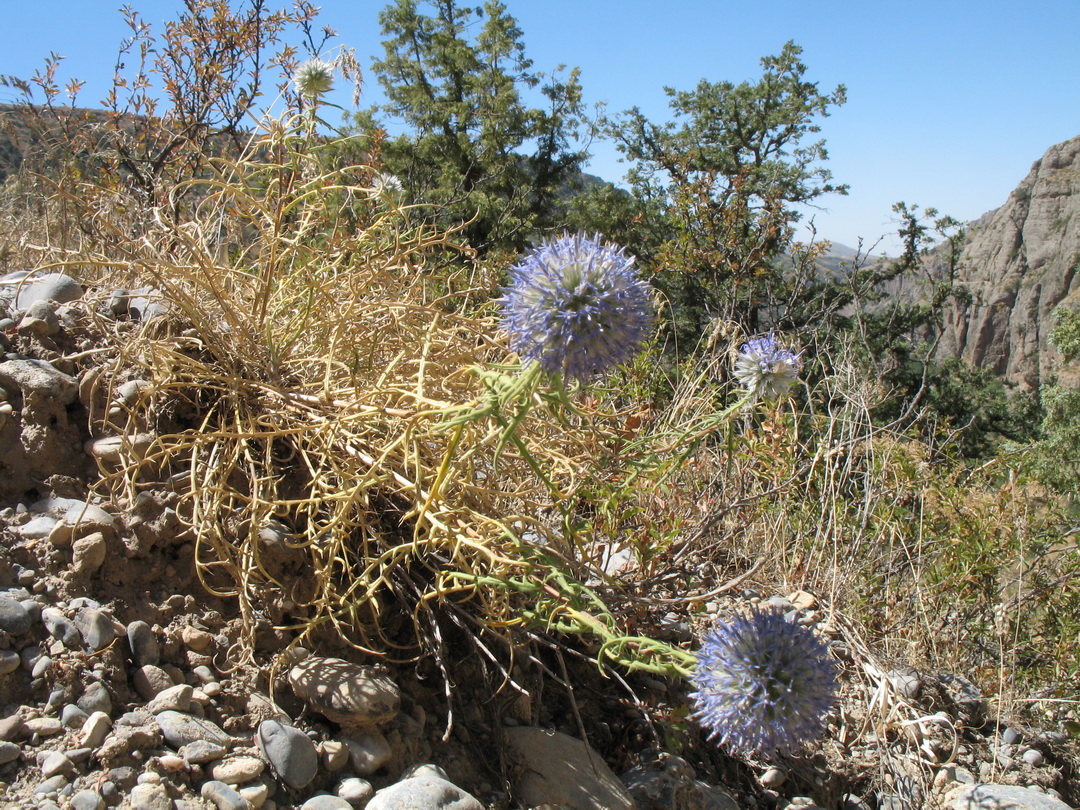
pixel 502 415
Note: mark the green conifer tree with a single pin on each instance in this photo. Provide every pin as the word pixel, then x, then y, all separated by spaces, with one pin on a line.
pixel 476 148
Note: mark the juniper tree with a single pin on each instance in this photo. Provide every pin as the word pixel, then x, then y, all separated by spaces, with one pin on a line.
pixel 719 188
pixel 478 146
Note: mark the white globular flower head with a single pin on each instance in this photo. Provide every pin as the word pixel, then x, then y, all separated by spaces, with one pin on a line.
pixel 577 306
pixel 764 684
pixel 387 184
pixel 766 369
pixel 314 78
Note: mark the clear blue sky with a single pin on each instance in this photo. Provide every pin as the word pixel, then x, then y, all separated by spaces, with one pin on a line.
pixel 949 102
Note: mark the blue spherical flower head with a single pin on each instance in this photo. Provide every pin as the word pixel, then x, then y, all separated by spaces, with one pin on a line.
pixel 577 306
pixel 765 368
pixel 763 684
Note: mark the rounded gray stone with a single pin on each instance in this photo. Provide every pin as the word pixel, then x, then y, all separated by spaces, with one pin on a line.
pixel 291 753
pixel 559 769
pixel 144 645
pixel 346 693
pixel 1033 757
pixel 95 698
pixel 355 791
pixel 14 618
pixel 56 762
pixel 223 796
pixel 87 800
pixel 150 680
pixel 73 717
pixel 9 752
pixel 47 287
pixel 9 661
pixel 426 793
pixel 368 752
pixel 180 729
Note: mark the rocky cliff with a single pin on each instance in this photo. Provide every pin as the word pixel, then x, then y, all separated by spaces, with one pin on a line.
pixel 1020 263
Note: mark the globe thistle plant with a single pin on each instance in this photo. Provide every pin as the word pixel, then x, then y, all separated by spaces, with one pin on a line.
pixel 577 306
pixel 314 78
pixel 765 368
pixel 763 684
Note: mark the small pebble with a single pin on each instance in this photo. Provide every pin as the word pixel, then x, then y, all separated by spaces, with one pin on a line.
pixel 55 763
pixel 87 800
pixel 334 754
pixel 9 661
pixel 12 728
pixel 225 797
pixel 180 729
pixel 200 752
pixel 51 785
pixel 14 619
pixel 43 665
pixel 1033 757
pixel 149 680
pixel 355 791
pixel 44 726
pixel 73 717
pixel 773 778
pixel 236 770
pixel 149 797
pixel 143 643
pixel 95 698
pixel 96 729
pixel 368 752
pixel 195 639
pixel 256 795
pixel 9 752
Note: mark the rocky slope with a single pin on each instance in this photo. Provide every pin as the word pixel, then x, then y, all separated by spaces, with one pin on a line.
pixel 1020 263
pixel 125 684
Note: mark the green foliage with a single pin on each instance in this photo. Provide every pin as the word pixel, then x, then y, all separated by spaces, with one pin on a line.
pixel 719 187
pixel 477 152
pixel 1055 458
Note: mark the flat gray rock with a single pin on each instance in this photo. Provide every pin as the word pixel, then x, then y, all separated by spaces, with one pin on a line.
pixel 96 628
pixel 560 770
pixel 423 793
pixel 1001 797
pixel 180 729
pixel 346 693
pixel 30 289
pixel 39 380
pixel 61 627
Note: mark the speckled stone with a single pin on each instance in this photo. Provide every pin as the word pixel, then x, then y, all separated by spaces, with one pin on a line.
pixel 346 693
pixel 180 729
